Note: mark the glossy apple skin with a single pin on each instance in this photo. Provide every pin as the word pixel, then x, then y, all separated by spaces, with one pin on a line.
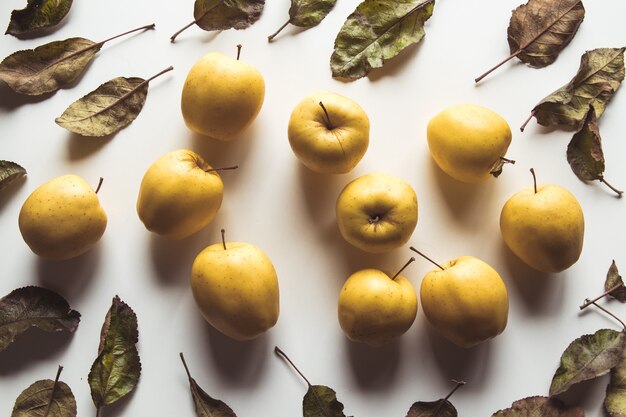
pixel 333 144
pixel 544 229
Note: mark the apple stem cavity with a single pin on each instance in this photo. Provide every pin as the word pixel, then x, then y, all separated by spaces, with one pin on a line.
pixel 238 51
pixel 100 181
pixel 615 190
pixel 427 258
pixel 403 268
pixel 508 58
pixel 54 388
pixel 608 312
pixel 282 354
pixel 222 169
pixel 273 35
pixel 523 126
pixel 329 124
pixel 588 302
pixel 223 239
pixel 532 171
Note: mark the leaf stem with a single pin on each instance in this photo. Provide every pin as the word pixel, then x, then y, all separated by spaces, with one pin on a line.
pixel 54 388
pixel 173 37
pixel 168 69
pixel 427 258
pixel 150 26
pixel 588 302
pixel 523 126
pixel 615 190
pixel 403 268
pixel 99 185
pixel 222 168
pixel 328 122
pixel 279 352
pixel 476 80
pixel 223 238
pixel 98 411
pixel 273 35
pixel 459 384
pixel 182 358
pixel 609 313
pixel 532 171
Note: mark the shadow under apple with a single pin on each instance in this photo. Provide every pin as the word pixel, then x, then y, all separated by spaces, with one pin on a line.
pixel 374 368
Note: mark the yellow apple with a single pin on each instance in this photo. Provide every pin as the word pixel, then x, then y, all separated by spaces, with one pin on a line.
pixel 179 194
pixel 329 133
pixel 222 96
pixel 377 212
pixel 544 226
pixel 62 218
pixel 465 300
pixel 468 142
pixel 235 287
pixel 376 307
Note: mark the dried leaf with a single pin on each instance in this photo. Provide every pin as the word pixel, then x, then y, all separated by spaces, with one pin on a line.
pixel 321 401
pixel 376 31
pixel 37 15
pixel 206 406
pixel 613 280
pixel 599 76
pixel 51 66
pixel 615 400
pixel 306 13
pixel 588 357
pixel 116 370
pixel 34 307
pixel 9 172
pixel 46 398
pixel 223 14
pixel 439 408
pixel 584 152
pixel 540 407
pixel 107 109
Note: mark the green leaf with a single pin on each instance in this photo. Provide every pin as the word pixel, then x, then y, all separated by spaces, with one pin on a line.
pixel 614 279
pixel 540 407
pixel 116 370
pixel 9 172
pixel 615 400
pixel 37 307
pixel 588 357
pixel 439 408
pixel 376 31
pixel 599 76
pixel 227 14
pixel 306 13
pixel 205 405
pixel 46 398
pixel 107 109
pixel 37 15
pixel 321 401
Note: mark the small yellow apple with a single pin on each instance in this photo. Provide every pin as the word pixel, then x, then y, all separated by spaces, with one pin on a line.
pixel 62 218
pixel 377 212
pixel 329 133
pixel 222 96
pixel 468 142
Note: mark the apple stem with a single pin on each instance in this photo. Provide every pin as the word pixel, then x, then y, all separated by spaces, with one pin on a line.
pixel 532 171
pixel 329 124
pixel 223 239
pixel 523 126
pixel 182 358
pixel 222 168
pixel 238 51
pixel 476 80
pixel 279 352
pixel 54 388
pixel 273 35
pixel 427 258
pixel 609 313
pixel 507 160
pixel 588 302
pixel 99 184
pixel 618 192
pixel 404 267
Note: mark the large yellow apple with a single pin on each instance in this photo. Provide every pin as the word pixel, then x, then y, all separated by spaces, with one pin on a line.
pixel 465 300
pixel 222 96
pixel 544 226
pixel 236 289
pixel 62 218
pixel 329 133
pixel 377 212
pixel 376 307
pixel 468 142
pixel 179 194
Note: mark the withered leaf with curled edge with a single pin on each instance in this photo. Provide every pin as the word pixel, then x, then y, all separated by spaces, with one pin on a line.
pixel 540 407
pixel 37 307
pixel 376 31
pixel 116 370
pixel 615 400
pixel 599 76
pixel 321 401
pixel 46 398
pixel 439 408
pixel 307 13
pixel 613 280
pixel 227 14
pixel 38 15
pixel 9 172
pixel 109 108
pixel 588 357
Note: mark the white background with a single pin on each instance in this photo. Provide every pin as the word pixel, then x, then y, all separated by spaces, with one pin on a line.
pixel 275 203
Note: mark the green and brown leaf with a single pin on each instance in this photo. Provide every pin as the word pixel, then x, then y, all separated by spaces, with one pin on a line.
pixel 615 284
pixel 615 400
pixel 46 398
pixel 306 13
pixel 439 408
pixel 321 401
pixel 9 172
pixel 38 15
pixel 540 407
